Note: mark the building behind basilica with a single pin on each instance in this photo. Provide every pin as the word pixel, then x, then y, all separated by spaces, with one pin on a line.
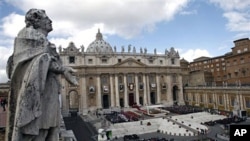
pixel 108 78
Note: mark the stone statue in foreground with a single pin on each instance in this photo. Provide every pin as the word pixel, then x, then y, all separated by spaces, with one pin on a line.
pixel 34 112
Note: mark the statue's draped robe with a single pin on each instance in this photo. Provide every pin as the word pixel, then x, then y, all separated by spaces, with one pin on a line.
pixel 34 85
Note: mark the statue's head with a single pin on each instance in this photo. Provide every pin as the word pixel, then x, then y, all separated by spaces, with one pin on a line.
pixel 38 19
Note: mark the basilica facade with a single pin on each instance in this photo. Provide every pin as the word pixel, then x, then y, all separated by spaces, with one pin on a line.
pixel 108 78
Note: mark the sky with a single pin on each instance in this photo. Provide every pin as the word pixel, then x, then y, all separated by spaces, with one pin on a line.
pixel 194 28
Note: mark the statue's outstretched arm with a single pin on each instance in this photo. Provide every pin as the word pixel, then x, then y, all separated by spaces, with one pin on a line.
pixel 56 67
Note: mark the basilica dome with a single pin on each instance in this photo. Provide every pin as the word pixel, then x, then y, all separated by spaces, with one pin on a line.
pixel 99 45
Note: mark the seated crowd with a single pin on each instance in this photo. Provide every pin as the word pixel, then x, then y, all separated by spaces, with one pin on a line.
pixel 118 117
pixel 225 121
pixel 183 109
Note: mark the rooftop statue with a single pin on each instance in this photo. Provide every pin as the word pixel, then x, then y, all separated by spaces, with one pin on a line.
pixel 114 48
pixel 141 51
pixel 129 48
pixel 122 49
pixel 82 48
pixel 134 50
pixel 33 111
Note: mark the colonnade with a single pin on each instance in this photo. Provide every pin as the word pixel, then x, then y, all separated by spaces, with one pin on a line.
pixel 117 98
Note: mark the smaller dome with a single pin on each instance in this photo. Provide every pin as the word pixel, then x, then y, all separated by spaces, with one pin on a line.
pixel 99 45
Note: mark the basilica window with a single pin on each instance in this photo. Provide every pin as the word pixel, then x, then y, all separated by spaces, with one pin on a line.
pixel 174 77
pixel 140 78
pixel 232 100
pixel 104 61
pixel 90 61
pixel 130 78
pixel 221 99
pixel 120 79
pixel 201 98
pixel 173 61
pixel 193 97
pixel 161 62
pixel 104 79
pixel 210 98
pixel 140 86
pixel 152 78
pixel 71 59
pixel 119 60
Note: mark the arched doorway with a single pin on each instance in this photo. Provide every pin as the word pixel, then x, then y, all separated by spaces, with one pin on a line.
pixel 175 94
pixel 73 101
pixel 105 101
pixel 152 97
pixel 131 99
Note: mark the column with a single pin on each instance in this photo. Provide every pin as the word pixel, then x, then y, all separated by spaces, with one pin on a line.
pixel 180 94
pixel 241 102
pixel 99 90
pixel 137 89
pixel 125 91
pixel 111 91
pixel 144 90
pixel 215 100
pixel 158 91
pixel 225 101
pixel 84 93
pixel 169 90
pixel 205 99
pixel 117 103
pixel 148 85
pixel 228 102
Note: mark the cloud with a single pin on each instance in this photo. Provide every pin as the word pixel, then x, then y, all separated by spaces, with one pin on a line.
pixel 79 20
pixel 124 18
pixel 236 12
pixel 192 12
pixel 5 53
pixel 229 5
pixel 238 21
pixel 11 24
pixel 192 54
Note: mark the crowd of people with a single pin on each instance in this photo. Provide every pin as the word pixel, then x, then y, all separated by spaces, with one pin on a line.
pixel 118 117
pixel 183 109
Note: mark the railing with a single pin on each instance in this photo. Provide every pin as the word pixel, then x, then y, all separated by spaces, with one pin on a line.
pixel 218 87
pixel 224 85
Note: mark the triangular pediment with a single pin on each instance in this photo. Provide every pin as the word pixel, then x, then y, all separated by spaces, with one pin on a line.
pixel 130 62
pixel 71 48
